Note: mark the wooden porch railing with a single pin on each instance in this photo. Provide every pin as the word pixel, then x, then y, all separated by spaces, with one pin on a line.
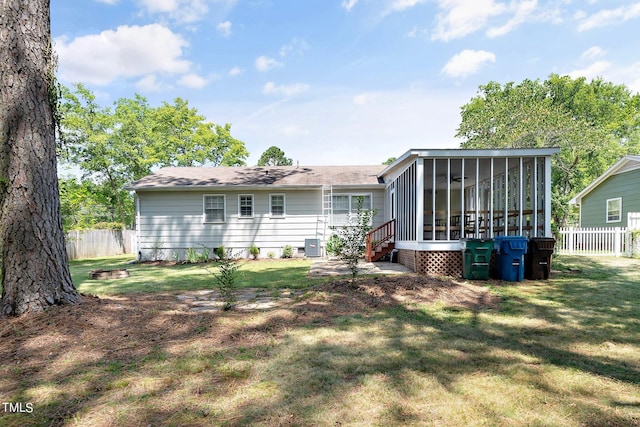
pixel 380 241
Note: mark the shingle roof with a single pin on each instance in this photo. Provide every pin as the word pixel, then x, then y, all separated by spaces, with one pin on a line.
pixel 206 177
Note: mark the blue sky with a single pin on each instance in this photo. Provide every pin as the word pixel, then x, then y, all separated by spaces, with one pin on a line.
pixel 337 81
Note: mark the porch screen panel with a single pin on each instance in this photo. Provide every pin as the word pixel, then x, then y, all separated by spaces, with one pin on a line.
pixel 405 186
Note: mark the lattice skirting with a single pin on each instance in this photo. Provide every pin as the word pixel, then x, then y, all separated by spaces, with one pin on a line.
pixel 447 263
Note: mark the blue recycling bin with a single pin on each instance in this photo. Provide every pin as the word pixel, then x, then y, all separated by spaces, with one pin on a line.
pixel 510 257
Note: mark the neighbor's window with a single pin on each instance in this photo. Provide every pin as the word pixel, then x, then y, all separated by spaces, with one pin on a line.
pixel 614 209
pixel 245 206
pixel 214 208
pixel 277 205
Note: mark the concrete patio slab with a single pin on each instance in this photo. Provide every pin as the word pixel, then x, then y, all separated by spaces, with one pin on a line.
pixel 324 267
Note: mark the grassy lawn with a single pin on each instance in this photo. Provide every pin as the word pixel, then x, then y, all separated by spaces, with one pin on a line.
pixel 562 352
pixel 146 278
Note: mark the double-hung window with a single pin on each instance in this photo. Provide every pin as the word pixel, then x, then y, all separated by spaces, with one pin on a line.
pixel 245 206
pixel 276 205
pixel 345 206
pixel 614 209
pixel 214 208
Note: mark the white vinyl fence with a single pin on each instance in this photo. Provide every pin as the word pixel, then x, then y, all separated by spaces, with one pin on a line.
pixel 604 241
pixel 98 243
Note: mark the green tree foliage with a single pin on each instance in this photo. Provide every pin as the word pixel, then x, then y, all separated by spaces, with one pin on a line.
pixel 593 124
pixel 389 161
pixel 82 205
pixel 274 156
pixel 114 146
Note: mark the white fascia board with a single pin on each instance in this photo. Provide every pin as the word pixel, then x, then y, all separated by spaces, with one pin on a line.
pixel 484 152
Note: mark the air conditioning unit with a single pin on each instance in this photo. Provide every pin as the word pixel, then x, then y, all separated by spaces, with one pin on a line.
pixel 312 247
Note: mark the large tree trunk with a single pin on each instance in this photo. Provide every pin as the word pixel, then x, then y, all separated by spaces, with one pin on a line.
pixel 35 269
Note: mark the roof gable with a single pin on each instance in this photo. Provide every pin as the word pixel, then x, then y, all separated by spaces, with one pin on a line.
pixel 625 164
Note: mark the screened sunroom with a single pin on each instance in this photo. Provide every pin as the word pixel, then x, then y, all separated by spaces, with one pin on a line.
pixel 438 197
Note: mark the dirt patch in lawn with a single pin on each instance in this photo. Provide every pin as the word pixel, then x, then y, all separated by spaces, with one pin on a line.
pixel 98 339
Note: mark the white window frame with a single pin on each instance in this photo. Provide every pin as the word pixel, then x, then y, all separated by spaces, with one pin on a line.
pixel 353 207
pixel 284 205
pixel 615 199
pixel 204 209
pixel 240 196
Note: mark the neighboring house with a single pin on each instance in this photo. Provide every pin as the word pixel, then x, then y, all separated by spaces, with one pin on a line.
pixel 613 198
pixel 426 202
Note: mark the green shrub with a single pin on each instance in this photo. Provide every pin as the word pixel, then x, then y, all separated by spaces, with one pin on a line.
pixel 254 251
pixel 204 255
pixel 220 252
pixel 226 278
pixel 191 256
pixel 287 251
pixel 352 237
pixel 334 245
pixel 271 254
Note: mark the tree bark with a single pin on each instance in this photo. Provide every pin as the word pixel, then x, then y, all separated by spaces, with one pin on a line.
pixel 35 268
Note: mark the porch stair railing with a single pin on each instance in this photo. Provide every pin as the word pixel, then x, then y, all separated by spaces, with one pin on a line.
pixel 380 241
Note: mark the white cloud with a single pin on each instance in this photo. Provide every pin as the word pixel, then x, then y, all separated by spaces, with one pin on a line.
pixel 235 71
pixel 129 51
pixel 264 63
pixel 287 91
pixel 462 17
pixel 592 71
pixel 296 47
pixel 193 81
pixel 468 62
pixel 628 75
pixel 348 4
pixel 400 5
pixel 149 84
pixel 109 2
pixel 522 11
pixel 459 18
pixel 183 11
pixel 609 17
pixel 224 28
pixel 593 52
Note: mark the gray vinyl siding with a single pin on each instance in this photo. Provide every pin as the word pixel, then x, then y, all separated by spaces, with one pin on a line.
pixel 593 212
pixel 174 221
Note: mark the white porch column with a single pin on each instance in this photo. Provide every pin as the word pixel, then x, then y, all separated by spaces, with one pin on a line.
pixel 547 196
pixel 420 199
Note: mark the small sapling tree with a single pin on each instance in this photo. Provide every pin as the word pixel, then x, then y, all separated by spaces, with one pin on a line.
pixel 226 279
pixel 352 238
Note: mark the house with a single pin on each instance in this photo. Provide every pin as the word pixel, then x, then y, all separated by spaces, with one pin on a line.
pixel 612 199
pixel 426 202
pixel 178 208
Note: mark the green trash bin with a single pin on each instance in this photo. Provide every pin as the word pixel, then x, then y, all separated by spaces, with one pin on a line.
pixel 476 256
